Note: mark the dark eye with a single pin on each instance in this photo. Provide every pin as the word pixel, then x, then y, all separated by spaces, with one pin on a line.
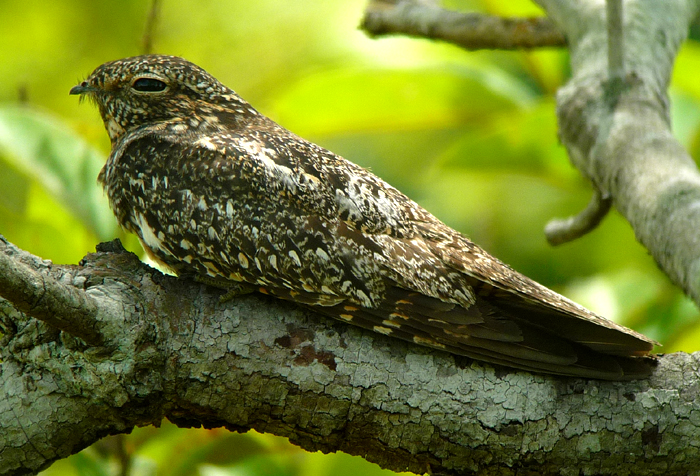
pixel 148 85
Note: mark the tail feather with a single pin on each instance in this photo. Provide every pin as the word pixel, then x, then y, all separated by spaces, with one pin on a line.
pixel 537 351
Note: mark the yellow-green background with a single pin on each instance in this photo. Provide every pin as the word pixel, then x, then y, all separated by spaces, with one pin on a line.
pixel 470 135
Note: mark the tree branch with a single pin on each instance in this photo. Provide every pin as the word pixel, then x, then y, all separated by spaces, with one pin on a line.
pixel 560 231
pixel 618 133
pixel 424 19
pixel 45 298
pixel 260 363
pixel 150 28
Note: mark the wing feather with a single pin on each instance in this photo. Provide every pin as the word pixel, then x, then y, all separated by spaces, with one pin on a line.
pixel 328 234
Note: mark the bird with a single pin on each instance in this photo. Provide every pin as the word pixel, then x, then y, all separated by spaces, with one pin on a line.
pixel 216 190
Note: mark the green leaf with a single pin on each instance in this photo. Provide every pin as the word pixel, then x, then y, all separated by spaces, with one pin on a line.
pixel 15 188
pixel 43 148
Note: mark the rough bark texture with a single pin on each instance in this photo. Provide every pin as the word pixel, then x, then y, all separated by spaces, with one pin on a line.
pixel 172 350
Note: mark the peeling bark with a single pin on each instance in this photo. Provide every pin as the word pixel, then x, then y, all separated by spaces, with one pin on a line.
pixel 174 351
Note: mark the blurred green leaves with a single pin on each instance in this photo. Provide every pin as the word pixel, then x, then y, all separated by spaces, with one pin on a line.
pixel 385 100
pixel 50 201
pixel 62 162
pixel 172 451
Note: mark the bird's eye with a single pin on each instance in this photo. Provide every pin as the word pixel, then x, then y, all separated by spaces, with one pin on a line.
pixel 148 85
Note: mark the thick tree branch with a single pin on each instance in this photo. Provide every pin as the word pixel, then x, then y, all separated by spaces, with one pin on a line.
pixel 269 365
pixel 424 19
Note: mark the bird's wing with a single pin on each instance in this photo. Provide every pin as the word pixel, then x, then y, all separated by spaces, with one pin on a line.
pixel 265 197
pixel 526 299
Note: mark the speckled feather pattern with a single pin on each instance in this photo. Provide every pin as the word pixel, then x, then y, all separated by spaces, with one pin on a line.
pixel 213 188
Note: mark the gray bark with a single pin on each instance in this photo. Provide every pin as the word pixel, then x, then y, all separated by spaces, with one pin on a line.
pixel 617 129
pixel 425 19
pixel 172 350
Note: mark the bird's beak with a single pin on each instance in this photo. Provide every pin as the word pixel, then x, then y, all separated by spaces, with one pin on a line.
pixel 82 88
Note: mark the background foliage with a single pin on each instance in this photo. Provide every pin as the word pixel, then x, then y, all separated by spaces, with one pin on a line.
pixel 470 136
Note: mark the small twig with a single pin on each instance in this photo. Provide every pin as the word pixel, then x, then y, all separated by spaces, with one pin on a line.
pixel 123 456
pixel 42 297
pixel 616 65
pixel 563 230
pixel 23 94
pixel 151 21
pixel 469 30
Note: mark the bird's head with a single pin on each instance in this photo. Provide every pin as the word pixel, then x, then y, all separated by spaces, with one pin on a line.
pixel 158 89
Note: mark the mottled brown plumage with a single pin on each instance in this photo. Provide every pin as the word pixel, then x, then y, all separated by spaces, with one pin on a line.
pixel 215 189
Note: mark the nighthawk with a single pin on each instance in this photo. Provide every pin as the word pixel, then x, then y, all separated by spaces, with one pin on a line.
pixel 215 189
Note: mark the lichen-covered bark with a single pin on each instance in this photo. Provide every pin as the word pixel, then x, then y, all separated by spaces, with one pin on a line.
pixel 174 351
